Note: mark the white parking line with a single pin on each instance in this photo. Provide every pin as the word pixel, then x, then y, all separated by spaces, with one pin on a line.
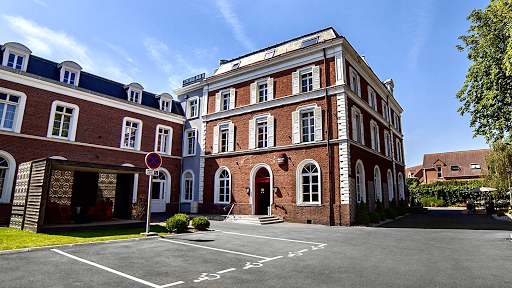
pixel 171 284
pixel 109 269
pixel 281 239
pixel 216 249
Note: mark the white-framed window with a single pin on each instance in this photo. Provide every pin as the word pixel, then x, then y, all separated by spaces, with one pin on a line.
pixel 360 182
pixel 372 98
pixel 69 72
pixel 261 131
pixel 225 100
pixel 396 120
pixel 355 81
pixel 388 145
pixel 222 186
pixel 131 133
pixel 224 137
pixel 307 124
pixel 306 79
pixel 401 187
pixel 12 108
pixel 357 125
pixel 309 191
pixel 391 191
pixel 399 151
pixel 377 182
pixel 236 65
pixel 63 120
pixel 190 142
pixel 16 55
pixel 475 166
pixel 165 101
pixel 454 168
pixel 163 139
pixel 262 90
pixel 134 92
pixel 193 107
pixel 7 167
pixel 309 42
pixel 375 135
pixel 160 187
pixel 439 170
pixel 385 110
pixel 187 193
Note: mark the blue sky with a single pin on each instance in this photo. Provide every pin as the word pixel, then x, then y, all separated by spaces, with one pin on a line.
pixel 160 43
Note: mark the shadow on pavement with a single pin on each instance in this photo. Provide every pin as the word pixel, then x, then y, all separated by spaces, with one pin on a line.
pixel 449 219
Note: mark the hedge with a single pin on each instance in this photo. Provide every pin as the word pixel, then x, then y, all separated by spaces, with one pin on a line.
pixel 451 192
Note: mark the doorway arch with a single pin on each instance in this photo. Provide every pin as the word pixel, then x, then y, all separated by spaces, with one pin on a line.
pixel 261 178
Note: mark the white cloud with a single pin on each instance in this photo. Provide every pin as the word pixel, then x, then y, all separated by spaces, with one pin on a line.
pixel 41 3
pixel 419 27
pixel 157 52
pixel 119 50
pixel 236 25
pixel 58 46
pixel 48 43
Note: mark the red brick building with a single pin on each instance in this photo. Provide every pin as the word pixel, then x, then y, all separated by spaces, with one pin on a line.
pixel 303 130
pixel 458 165
pixel 50 109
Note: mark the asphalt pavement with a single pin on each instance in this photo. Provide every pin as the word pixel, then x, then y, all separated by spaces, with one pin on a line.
pixel 281 255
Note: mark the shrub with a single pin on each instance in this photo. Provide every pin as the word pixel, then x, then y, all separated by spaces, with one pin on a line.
pixel 380 210
pixel 390 213
pixel 450 191
pixel 362 217
pixel 510 212
pixel 440 203
pixel 402 211
pixel 177 223
pixel 413 201
pixel 139 209
pixel 200 223
pixel 501 213
pixel 374 217
pixel 393 204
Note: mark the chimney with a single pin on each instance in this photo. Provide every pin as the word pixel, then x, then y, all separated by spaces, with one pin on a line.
pixel 389 85
pixel 222 61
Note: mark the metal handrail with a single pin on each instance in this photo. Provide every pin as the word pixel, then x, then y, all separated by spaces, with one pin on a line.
pixel 231 205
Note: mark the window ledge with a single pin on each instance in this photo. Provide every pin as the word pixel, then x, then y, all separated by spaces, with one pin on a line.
pixel 309 204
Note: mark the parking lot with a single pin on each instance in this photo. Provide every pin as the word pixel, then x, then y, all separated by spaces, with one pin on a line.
pixel 281 255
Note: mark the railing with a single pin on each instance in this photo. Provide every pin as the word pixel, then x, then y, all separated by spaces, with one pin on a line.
pixel 230 206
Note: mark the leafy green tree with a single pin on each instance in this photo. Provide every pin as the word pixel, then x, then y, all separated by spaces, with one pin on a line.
pixel 498 160
pixel 487 91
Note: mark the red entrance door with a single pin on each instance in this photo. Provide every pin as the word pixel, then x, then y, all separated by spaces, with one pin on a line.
pixel 262 193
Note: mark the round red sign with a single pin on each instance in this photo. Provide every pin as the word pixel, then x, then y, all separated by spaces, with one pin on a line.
pixel 153 160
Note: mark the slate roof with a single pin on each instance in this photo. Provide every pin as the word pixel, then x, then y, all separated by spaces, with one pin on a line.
pixel 48 69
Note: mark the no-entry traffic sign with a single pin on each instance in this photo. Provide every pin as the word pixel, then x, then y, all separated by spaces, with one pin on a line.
pixel 153 160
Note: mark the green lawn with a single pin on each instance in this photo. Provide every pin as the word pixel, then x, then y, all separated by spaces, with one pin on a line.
pixel 11 238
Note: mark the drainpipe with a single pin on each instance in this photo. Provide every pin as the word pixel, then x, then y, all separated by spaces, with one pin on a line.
pixel 328 146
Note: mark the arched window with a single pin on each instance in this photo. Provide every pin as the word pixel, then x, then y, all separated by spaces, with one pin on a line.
pixel 390 186
pixel 401 187
pixel 7 167
pixel 188 187
pixel 222 186
pixel 360 187
pixel 308 183
pixel 377 183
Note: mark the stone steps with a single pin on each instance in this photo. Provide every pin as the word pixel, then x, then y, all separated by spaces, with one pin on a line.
pixel 254 219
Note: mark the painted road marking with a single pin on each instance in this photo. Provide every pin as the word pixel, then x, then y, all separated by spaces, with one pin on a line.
pixel 112 270
pixel 216 249
pixel 270 259
pixel 171 284
pixel 281 239
pixel 227 270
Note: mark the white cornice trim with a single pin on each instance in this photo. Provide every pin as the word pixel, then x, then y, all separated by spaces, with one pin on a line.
pixel 268 149
pixel 280 63
pixel 81 144
pixel 91 96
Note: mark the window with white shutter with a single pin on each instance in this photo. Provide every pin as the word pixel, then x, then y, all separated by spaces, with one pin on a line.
pixel 307 124
pixel 231 140
pixel 355 81
pixel 357 126
pixel 295 83
pixel 295 127
pixel 306 79
pixel 374 131
pixel 270 88
pixel 252 133
pixel 232 97
pixel 216 132
pixel 261 131
pixel 254 92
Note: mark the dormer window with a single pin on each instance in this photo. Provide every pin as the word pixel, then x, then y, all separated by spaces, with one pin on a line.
pixel 309 42
pixel 269 54
pixel 165 100
pixel 134 92
pixel 235 66
pixel 15 56
pixel 69 72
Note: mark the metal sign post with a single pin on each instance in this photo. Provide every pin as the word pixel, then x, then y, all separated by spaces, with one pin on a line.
pixel 153 161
